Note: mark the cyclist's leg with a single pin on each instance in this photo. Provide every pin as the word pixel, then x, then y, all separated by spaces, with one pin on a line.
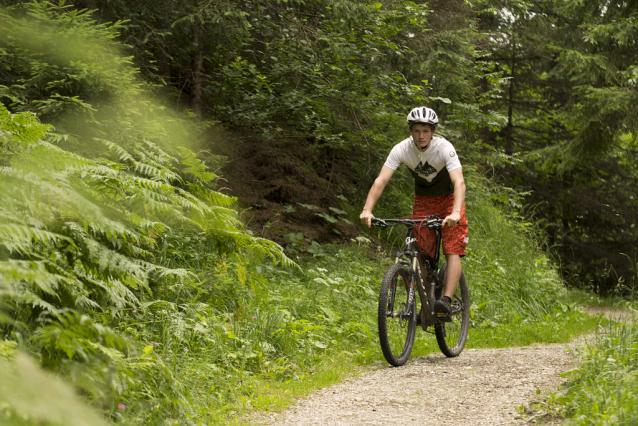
pixel 454 239
pixel 452 274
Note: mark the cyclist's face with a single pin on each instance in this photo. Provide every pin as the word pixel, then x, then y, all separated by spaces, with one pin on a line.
pixel 421 134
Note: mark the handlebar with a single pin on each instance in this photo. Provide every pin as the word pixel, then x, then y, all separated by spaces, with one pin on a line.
pixel 430 222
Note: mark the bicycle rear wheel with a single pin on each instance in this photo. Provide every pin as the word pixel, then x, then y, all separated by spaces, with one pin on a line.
pixel 451 336
pixel 396 320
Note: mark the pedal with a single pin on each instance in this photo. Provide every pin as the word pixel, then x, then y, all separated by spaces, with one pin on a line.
pixel 443 317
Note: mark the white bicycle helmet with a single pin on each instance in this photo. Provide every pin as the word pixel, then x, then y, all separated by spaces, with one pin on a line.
pixel 423 115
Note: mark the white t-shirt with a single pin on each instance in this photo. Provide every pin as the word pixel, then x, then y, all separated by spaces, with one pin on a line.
pixel 430 168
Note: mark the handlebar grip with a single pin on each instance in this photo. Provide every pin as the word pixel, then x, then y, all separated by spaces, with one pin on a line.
pixel 378 222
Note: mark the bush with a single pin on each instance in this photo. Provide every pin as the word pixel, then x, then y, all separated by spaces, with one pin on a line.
pixel 603 389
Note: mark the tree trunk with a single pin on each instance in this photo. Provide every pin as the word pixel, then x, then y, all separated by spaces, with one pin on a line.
pixel 508 137
pixel 483 131
pixel 197 65
pixel 164 64
pixel 88 4
pixel 509 143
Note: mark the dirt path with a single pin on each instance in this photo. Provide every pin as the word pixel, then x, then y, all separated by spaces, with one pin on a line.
pixel 480 387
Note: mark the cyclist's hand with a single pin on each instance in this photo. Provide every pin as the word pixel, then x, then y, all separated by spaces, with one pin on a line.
pixel 366 218
pixel 452 220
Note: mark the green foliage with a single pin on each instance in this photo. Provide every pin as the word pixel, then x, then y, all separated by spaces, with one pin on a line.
pixel 31 396
pixel 125 270
pixel 225 335
pixel 331 72
pixel 198 350
pixel 87 220
pixel 603 389
pixel 45 67
pixel 334 63
pixel 528 285
pixel 569 100
pixel 81 241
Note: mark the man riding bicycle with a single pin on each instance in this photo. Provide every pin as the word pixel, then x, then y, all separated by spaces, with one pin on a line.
pixel 439 190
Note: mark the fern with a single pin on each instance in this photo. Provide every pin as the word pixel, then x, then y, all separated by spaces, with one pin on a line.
pixel 20 131
pixel 14 272
pixel 100 224
pixel 53 403
pixel 85 235
pixel 194 166
pixel 149 166
pixel 20 238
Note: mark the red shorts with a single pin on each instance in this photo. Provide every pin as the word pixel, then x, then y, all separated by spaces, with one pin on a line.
pixel 454 237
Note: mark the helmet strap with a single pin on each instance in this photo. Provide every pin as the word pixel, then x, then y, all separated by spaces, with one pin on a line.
pixel 419 148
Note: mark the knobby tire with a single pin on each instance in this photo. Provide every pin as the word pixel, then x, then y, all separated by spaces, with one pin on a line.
pixel 396 334
pixel 451 336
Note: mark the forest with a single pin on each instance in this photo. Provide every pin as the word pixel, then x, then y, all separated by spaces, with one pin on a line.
pixel 181 185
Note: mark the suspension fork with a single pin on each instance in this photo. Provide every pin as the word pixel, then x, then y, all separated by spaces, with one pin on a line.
pixel 413 278
pixel 407 250
pixel 390 311
pixel 393 288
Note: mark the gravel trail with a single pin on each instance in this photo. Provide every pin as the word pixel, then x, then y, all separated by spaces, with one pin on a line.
pixel 480 387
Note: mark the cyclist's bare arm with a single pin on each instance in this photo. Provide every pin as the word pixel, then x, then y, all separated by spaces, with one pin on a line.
pixel 380 182
pixel 456 176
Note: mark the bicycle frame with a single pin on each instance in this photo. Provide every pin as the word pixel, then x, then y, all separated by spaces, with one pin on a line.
pixel 410 253
pixel 396 318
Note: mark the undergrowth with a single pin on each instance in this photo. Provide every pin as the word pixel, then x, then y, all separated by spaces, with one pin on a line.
pixel 189 323
pixel 224 349
pixel 603 389
pixel 125 273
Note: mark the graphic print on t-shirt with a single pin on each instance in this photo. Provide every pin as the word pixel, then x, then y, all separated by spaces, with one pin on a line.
pixel 425 169
pixel 430 168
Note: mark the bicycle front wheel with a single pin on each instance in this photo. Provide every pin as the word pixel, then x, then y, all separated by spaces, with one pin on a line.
pixel 396 318
pixel 451 336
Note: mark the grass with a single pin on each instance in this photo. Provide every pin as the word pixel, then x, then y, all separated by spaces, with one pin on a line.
pixel 276 337
pixel 276 395
pixel 591 300
pixel 603 389
pixel 562 329
pixel 259 396
pixel 279 395
pixel 245 337
pixel 563 322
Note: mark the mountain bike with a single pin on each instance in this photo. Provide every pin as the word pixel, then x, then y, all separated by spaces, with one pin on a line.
pixel 397 315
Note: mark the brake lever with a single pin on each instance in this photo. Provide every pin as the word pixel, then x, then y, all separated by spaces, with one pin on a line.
pixel 432 223
pixel 380 223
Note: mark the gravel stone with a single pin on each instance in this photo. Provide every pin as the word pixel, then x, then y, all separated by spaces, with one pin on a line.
pixel 480 387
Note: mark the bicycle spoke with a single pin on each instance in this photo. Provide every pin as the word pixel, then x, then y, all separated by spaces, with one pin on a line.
pixel 396 320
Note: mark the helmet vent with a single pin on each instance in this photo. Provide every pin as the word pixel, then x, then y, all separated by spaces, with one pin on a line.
pixel 423 115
